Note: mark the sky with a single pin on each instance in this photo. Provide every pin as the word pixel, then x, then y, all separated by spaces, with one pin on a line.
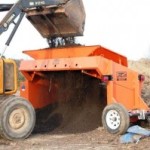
pixel 119 25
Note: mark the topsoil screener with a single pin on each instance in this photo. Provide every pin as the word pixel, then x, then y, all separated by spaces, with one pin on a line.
pixel 47 74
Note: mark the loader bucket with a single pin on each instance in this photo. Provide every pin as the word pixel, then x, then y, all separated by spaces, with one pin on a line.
pixel 64 20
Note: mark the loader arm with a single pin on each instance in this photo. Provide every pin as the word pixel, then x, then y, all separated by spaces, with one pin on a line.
pixel 19 9
pixel 15 14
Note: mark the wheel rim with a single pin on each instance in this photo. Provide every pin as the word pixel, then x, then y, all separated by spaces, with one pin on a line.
pixel 113 119
pixel 18 119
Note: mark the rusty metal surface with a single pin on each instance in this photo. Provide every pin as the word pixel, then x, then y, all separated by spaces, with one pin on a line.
pixel 61 21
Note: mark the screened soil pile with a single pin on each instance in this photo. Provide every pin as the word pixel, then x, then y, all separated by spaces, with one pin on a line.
pixel 81 100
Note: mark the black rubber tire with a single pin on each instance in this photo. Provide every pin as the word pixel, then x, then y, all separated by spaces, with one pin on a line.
pixel 123 118
pixel 15 110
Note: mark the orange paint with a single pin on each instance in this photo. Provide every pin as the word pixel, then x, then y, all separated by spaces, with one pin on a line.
pixel 95 61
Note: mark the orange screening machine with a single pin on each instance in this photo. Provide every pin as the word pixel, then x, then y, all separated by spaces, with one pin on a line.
pixel 123 85
pixel 52 69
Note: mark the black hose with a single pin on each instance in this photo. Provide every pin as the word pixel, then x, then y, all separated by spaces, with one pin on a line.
pixel 5 7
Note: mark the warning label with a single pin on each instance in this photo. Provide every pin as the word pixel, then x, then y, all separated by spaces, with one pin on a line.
pixel 121 76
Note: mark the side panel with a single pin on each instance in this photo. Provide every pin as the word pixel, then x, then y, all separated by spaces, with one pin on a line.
pixel 39 95
pixel 10 76
pixel 1 76
pixel 125 88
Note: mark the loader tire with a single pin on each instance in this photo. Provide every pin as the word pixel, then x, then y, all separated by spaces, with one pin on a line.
pixel 17 118
pixel 115 119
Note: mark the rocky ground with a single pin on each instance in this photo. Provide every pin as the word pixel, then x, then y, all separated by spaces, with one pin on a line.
pixel 77 126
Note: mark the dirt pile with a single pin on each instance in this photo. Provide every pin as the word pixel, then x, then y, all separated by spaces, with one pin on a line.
pixel 142 66
pixel 80 105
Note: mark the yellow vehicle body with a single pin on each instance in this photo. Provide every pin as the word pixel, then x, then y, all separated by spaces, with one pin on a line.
pixel 8 77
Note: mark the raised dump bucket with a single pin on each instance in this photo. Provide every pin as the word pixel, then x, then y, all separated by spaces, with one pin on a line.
pixel 64 20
